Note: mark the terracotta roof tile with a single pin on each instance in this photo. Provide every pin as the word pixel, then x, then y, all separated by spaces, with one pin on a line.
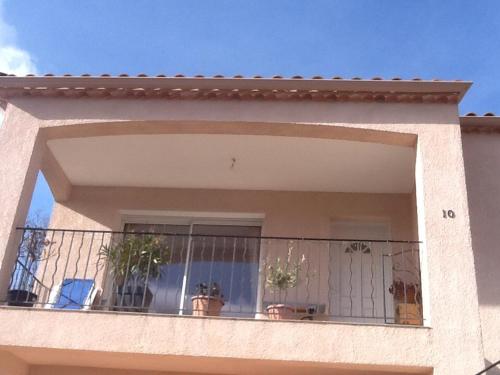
pixel 286 88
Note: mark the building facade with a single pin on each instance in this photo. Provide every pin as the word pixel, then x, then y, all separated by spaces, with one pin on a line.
pixel 247 226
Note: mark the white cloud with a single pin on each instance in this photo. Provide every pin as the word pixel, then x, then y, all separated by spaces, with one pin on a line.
pixel 13 60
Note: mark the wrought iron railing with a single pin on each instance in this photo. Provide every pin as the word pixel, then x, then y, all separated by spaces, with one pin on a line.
pixel 343 280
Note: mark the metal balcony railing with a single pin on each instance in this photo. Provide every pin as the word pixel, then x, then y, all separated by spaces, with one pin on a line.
pixel 341 280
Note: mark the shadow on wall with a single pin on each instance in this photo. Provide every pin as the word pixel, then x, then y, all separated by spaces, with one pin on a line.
pixel 494 371
pixel 253 111
pixel 482 169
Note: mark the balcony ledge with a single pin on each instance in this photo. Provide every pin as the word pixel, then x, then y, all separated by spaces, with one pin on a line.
pixel 318 343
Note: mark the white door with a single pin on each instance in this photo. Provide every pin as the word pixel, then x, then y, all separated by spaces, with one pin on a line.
pixel 362 272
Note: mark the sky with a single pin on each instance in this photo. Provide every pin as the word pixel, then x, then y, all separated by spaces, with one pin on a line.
pixel 447 39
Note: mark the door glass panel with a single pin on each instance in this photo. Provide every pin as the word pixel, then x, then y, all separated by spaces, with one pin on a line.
pixel 166 287
pixel 227 255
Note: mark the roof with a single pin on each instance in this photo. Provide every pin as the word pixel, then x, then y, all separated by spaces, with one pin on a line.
pixel 487 123
pixel 238 87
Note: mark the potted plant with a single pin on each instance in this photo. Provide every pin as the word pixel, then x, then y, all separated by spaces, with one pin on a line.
pixel 30 254
pixel 208 300
pixel 406 292
pixel 280 278
pixel 135 260
pixel 408 300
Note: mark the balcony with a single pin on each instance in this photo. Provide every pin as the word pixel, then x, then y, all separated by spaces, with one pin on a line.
pixel 217 270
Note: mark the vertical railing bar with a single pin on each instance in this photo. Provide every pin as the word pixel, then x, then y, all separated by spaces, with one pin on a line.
pixel 351 250
pixel 105 273
pixel 169 265
pixel 341 283
pixel 360 252
pixel 36 259
pixel 202 256
pixel 13 275
pixel 181 302
pixel 56 263
pixel 27 269
pixel 308 277
pixel 419 279
pixel 372 276
pixel 146 282
pixel 210 272
pixel 245 249
pixel 383 283
pixel 125 279
pixel 86 267
pixel 136 277
pixel 318 256
pixel 404 283
pixel 223 256
pixel 67 259
pixel 330 272
pixel 288 258
pixel 76 268
pixel 46 262
pixel 299 250
pixel 264 270
pixel 163 274
pixel 275 263
pixel 231 280
pixel 185 277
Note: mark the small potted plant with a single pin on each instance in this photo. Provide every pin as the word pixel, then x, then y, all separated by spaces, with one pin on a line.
pixel 133 261
pixel 406 292
pixel 280 278
pixel 408 300
pixel 208 300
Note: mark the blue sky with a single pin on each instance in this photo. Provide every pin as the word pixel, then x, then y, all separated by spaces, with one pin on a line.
pixel 428 39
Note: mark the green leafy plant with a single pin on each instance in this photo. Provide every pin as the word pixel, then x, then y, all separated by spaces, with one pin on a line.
pixel 137 256
pixel 283 275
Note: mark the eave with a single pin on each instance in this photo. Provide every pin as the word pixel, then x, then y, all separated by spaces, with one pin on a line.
pixel 373 90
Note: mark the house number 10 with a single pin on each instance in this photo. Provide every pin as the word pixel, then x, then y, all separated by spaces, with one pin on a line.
pixel 448 214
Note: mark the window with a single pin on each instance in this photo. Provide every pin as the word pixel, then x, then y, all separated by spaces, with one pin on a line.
pixel 222 252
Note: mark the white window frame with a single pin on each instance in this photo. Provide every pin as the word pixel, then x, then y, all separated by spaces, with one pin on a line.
pixel 192 218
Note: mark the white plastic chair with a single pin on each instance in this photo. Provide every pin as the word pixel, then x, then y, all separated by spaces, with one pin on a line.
pixel 86 303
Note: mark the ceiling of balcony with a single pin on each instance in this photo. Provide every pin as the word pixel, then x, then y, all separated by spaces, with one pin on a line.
pixel 236 162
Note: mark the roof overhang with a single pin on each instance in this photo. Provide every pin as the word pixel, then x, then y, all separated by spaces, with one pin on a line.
pixel 480 124
pixel 395 90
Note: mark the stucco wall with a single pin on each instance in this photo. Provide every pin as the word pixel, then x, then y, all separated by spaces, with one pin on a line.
pixel 482 166
pixel 440 184
pixel 292 214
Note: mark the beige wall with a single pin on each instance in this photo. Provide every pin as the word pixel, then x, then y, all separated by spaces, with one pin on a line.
pixel 286 214
pixel 292 214
pixel 482 166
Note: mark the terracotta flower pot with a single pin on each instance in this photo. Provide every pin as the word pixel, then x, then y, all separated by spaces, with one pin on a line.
pixel 207 306
pixel 407 293
pixel 279 312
